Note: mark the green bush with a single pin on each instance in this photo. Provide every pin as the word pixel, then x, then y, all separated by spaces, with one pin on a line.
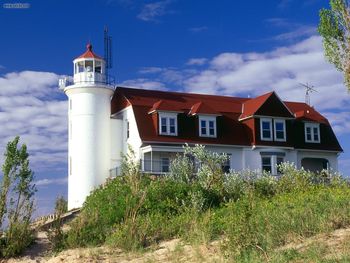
pixel 263 224
pixel 21 237
pixel 255 213
pixel 104 208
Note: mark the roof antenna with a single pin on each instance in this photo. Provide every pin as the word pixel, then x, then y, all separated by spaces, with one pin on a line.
pixel 107 51
pixel 308 90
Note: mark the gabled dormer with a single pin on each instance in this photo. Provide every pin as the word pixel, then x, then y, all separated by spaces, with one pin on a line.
pixel 268 116
pixel 207 119
pixel 165 117
pixel 268 104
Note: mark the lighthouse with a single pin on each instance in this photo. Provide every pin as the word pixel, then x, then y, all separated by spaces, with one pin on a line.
pixel 89 96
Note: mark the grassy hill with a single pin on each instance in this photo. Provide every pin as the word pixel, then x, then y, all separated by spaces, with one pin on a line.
pixel 211 216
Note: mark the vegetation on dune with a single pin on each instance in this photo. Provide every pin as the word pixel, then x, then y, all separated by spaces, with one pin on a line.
pixel 16 200
pixel 253 214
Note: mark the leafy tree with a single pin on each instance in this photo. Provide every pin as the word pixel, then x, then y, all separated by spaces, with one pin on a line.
pixel 334 28
pixel 16 198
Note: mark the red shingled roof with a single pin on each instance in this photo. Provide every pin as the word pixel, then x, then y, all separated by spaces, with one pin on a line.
pixel 162 105
pixel 304 112
pixel 230 130
pixel 269 100
pixel 202 108
pixel 89 53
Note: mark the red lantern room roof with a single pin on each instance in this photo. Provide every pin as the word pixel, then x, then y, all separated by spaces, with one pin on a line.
pixel 89 53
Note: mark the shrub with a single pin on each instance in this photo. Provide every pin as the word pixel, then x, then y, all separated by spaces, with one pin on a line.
pixel 55 233
pixel 263 224
pixel 16 199
pixel 21 236
pixel 105 207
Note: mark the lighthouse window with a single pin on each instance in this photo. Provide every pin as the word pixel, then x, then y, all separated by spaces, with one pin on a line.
pixel 89 65
pixel 98 66
pixel 80 66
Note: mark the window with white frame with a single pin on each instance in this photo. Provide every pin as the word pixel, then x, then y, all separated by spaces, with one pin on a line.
pixel 266 129
pixel 168 123
pixel 270 162
pixel 266 164
pixel 312 132
pixel 280 130
pixel 165 163
pixel 207 126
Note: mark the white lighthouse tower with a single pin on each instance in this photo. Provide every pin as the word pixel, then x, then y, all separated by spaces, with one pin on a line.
pixel 89 126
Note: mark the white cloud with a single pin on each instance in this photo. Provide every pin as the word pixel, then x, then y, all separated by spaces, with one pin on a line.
pixel 196 61
pixel 302 31
pixel 143 83
pixel 281 69
pixel 47 181
pixel 152 11
pixel 150 70
pixel 32 107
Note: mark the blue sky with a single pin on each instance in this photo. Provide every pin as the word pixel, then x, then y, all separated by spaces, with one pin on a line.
pixel 242 48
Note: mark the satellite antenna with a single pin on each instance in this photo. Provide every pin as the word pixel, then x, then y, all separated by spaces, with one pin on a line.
pixel 308 90
pixel 107 50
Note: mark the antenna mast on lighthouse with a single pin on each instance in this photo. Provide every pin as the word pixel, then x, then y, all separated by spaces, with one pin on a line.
pixel 308 89
pixel 107 51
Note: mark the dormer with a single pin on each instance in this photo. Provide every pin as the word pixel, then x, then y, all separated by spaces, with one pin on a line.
pixel 89 68
pixel 269 115
pixel 207 119
pixel 166 116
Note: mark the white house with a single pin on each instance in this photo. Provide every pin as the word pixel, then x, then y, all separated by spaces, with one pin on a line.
pixel 256 133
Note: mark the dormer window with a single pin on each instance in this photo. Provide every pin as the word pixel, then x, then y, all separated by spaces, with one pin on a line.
pixel 168 123
pixel 207 126
pixel 280 130
pixel 266 129
pixel 312 132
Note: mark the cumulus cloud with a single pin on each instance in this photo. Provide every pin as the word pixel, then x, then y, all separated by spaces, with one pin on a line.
pixel 32 107
pixel 152 11
pixel 282 69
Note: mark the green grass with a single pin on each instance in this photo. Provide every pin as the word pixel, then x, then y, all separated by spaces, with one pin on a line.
pixel 253 216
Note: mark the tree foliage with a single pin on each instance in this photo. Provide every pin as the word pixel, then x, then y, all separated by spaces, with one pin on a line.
pixel 334 27
pixel 16 199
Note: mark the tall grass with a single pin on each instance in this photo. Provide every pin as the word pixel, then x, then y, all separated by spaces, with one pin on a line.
pixel 252 213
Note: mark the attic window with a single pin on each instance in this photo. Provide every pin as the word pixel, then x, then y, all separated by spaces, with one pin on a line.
pixel 312 132
pixel 168 123
pixel 207 126
pixel 266 129
pixel 280 130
